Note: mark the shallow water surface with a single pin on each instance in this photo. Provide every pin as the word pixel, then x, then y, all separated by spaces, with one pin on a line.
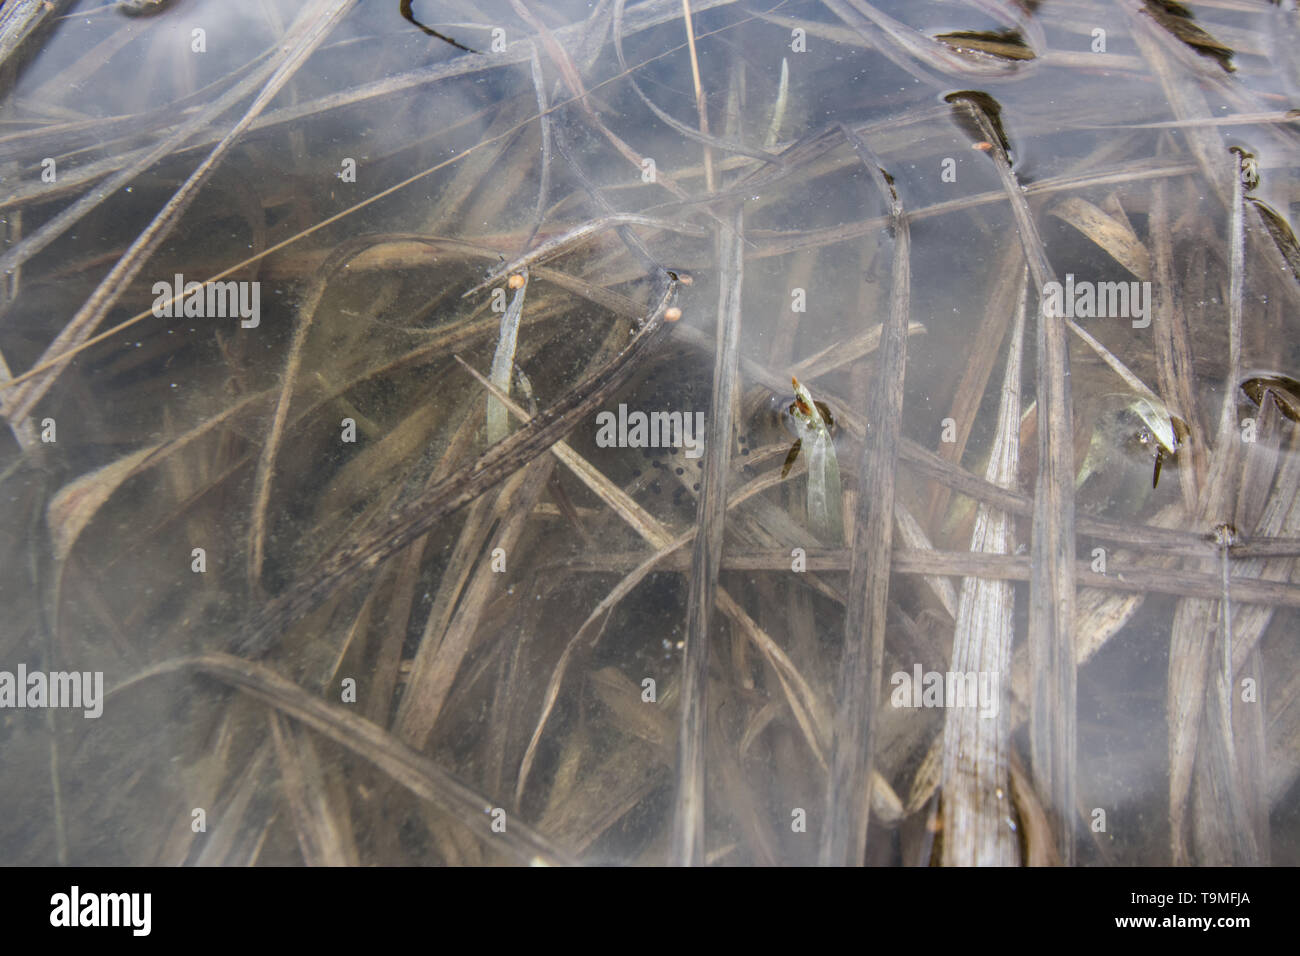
pixel 347 611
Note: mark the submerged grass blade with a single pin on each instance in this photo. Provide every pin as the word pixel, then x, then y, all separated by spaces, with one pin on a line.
pixel 1051 612
pixel 848 799
pixel 686 846
pixel 411 769
pixel 976 768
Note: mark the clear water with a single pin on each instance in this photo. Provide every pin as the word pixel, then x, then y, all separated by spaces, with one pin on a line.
pixel 456 156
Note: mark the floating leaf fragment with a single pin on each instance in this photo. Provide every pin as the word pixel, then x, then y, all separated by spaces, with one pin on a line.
pixel 1004 44
pixel 1285 392
pixel 1179 21
pixel 976 100
pixel 1280 232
